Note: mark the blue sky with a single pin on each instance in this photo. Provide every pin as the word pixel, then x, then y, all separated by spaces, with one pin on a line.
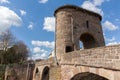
pixel 33 22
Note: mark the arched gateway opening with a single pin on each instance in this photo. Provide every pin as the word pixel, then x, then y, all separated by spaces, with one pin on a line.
pixel 37 74
pixel 87 76
pixel 45 73
pixel 88 41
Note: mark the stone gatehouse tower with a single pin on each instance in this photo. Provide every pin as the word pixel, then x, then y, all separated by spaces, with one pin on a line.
pixel 75 24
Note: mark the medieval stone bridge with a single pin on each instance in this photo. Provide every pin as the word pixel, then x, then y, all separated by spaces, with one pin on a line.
pixel 92 64
pixel 103 61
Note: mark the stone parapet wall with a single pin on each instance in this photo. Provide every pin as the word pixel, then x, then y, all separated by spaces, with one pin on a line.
pixel 105 57
pixel 49 61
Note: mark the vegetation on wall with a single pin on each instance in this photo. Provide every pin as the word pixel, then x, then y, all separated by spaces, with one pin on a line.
pixel 2 72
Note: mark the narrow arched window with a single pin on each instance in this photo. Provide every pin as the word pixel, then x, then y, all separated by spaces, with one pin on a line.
pixel 87 24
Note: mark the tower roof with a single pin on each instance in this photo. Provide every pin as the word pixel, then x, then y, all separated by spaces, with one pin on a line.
pixel 77 8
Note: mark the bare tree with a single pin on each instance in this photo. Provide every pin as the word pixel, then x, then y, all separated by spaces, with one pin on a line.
pixel 11 50
pixel 21 50
pixel 6 40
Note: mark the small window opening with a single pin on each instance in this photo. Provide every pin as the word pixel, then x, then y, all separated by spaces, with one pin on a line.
pixel 68 49
pixel 87 24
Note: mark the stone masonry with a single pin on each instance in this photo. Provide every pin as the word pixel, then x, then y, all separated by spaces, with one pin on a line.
pixel 19 72
pixel 74 24
pixel 94 61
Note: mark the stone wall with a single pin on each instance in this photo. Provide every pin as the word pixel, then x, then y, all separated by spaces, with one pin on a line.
pixel 55 73
pixel 68 72
pixel 104 57
pixel 41 65
pixel 49 61
pixel 19 72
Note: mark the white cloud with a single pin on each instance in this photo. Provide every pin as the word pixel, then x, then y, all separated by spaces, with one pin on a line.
pixel 43 1
pixel 49 24
pixel 109 26
pixel 113 43
pixel 98 2
pixel 42 49
pixel 23 12
pixel 39 50
pixel 4 1
pixel 39 56
pixel 30 26
pixel 44 55
pixel 92 6
pixel 46 44
pixel 36 50
pixel 110 39
pixel 39 53
pixel 8 18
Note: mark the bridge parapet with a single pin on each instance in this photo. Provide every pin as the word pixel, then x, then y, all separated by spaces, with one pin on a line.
pixel 104 57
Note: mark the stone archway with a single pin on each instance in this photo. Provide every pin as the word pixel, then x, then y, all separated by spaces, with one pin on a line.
pixel 87 76
pixel 45 73
pixel 37 74
pixel 88 41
